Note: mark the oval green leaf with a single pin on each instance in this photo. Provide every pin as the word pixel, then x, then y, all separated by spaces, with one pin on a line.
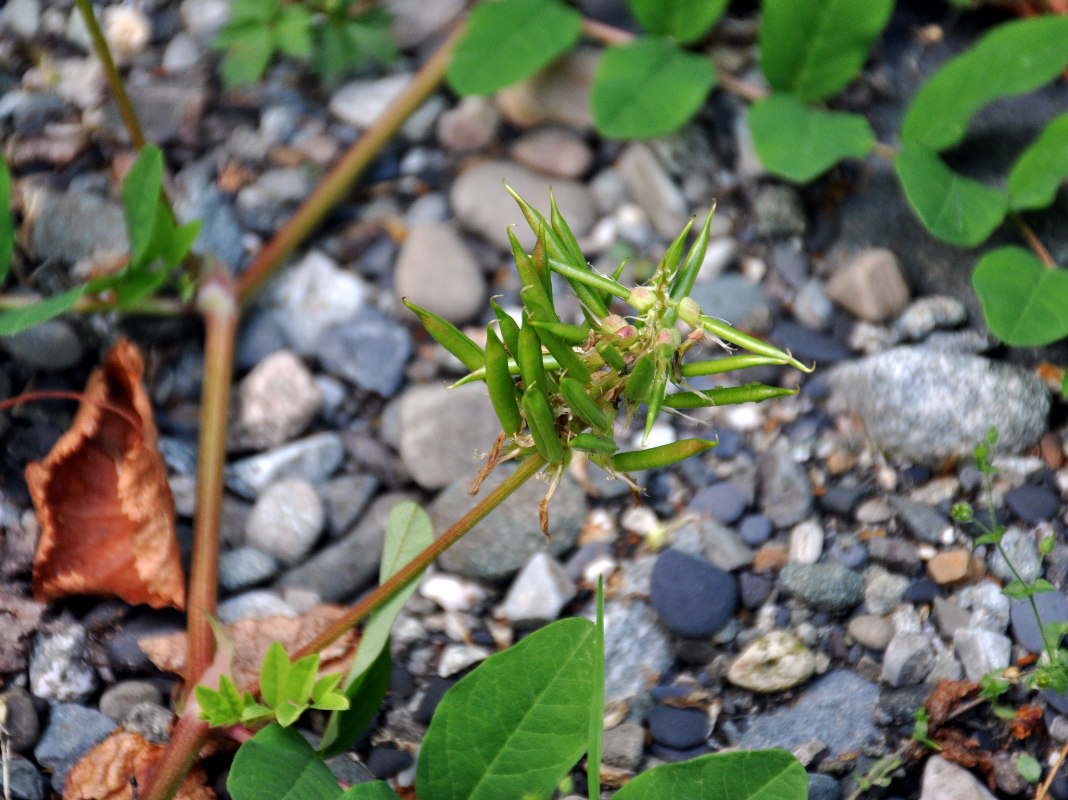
pixel 800 142
pixel 1014 58
pixel 372 790
pixel 508 40
pixel 648 87
pixel 1024 302
pixel 954 208
pixel 685 20
pixel 516 725
pixel 744 775
pixel 1041 169
pixel 19 319
pixel 813 49
pixel 140 202
pixel 278 763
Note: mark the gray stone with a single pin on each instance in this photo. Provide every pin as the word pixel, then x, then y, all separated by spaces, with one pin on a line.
pixel 117 701
pixel 923 522
pixel 151 720
pixel 812 307
pixel 820 708
pixel 361 102
pixel 245 567
pixel 909 400
pixel 500 544
pixel 723 547
pixel 950 617
pixel 553 151
pixel 313 458
pixel 538 593
pixel 871 631
pixel 637 649
pixel 981 651
pixel 469 125
pixel 22 17
pixel 370 350
pixel 276 401
pixel 775 662
pixel 483 206
pixel 315 295
pixel 908 659
pixel 927 313
pixel 180 54
pixel 257 604
pixel 624 745
pixel 286 521
pixel 59 667
pixel 786 492
pixel 442 430
pixel 1052 607
pixel 169 112
pixel 883 590
pixel 825 587
pixel 778 211
pixel 944 780
pixel 436 271
pixel 25 780
pixel 344 499
pixel 736 299
pixel 72 731
pixel 199 198
pixel 650 186
pixel 1022 553
pixel 990 607
pixel 20 719
pixel 413 22
pixel 74 226
pixel 870 285
pixel 51 345
pixel 558 93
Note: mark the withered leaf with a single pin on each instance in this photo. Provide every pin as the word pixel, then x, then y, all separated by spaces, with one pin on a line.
pixel 103 501
pixel 945 699
pixel 1028 721
pixel 104 772
pixel 251 639
pixel 965 751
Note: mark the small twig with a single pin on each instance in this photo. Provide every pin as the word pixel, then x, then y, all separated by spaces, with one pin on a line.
pixel 150 306
pixel 1032 240
pixel 1052 773
pixel 81 397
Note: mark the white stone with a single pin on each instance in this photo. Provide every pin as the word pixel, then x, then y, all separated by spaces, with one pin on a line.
pixel 360 103
pixel 458 657
pixel 286 520
pixel 452 593
pixel 22 17
pixel 773 663
pixel 806 543
pixel 538 593
pixel 315 295
pixel 436 271
pixel 944 780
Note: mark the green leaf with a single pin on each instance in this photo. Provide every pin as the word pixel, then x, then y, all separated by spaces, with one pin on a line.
pixel 292 31
pixel 800 142
pixel 301 678
pixel 508 40
pixel 332 702
pixel 813 49
pixel 231 697
pixel 247 56
pixel 1042 168
pixel 648 87
pixel 516 725
pixel 246 11
pixel 1013 58
pixel 743 775
pixel 1041 585
pixel 954 208
pixel 274 672
pixel 325 685
pixel 278 763
pixel 141 203
pixel 988 538
pixel 256 712
pixel 365 695
pixel 19 319
pixel 371 790
pixel 7 224
pixel 344 45
pixel 685 20
pixel 212 706
pixel 1025 303
pixel 1029 768
pixel 289 712
pixel 1017 590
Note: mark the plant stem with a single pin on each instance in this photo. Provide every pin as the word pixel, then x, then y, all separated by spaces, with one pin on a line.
pixel 219 307
pixel 1032 240
pixel 111 73
pixel 150 306
pixel 188 737
pixel 339 180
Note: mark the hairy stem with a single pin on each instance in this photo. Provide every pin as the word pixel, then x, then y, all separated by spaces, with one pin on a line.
pixel 188 737
pixel 1029 236
pixel 339 180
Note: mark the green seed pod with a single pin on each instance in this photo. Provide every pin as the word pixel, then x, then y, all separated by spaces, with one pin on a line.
pixel 450 337
pixel 669 264
pixel 686 276
pixel 662 456
pixel 655 400
pixel 509 328
pixel 581 404
pixel 591 443
pixel 735 336
pixel 640 378
pixel 529 356
pixel 720 365
pixel 569 244
pixel 542 425
pixel 567 357
pixel 501 387
pixel 535 295
pixel 572 334
pixel 612 357
pixel 727 396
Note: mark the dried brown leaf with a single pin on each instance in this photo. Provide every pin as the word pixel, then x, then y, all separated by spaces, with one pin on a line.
pixel 1028 721
pixel 103 500
pixel 945 699
pixel 965 751
pixel 104 772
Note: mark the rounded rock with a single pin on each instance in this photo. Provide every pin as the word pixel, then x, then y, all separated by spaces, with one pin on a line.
pixel 724 501
pixel 117 701
pixel 692 597
pixel 773 663
pixel 825 587
pixel 681 728
pixel 21 721
pixel 1032 504
pixel 286 520
pixel 436 270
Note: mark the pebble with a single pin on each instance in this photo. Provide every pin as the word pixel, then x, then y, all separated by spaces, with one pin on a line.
pixel 723 501
pixel 812 307
pixel 313 458
pixel 25 780
pixel 181 53
pixel 623 745
pixel 1052 607
pixel 313 296
pixel 754 529
pixel 151 720
pixel 559 93
pixel 554 151
pixel 907 399
pixel 1022 554
pixel 723 547
pixel 22 17
pixel 483 206
pixel 23 728
pixel 775 662
pixel 413 22
pixel 469 125
pixel 344 499
pixel 692 597
pixel 257 604
pixel 72 731
pixel 990 607
pixel 923 522
pixel 1032 504
pixel 848 551
pixel 805 545
pixel 74 226
pixel 538 593
pixel 981 651
pixel 908 659
pixel 649 185
pixel 871 631
pixel 637 649
pixel 681 728
pixel 436 271
pixel 786 492
pixel 927 313
pixel 245 567
pixel 883 590
pixel 823 787
pixel 896 553
pixel 870 285
pixel 359 103
pixel 118 700
pixel 59 669
pixel 385 762
pixel 825 587
pixel 842 726
pixel 170 113
pixel 458 657
pixel 944 780
pixel 452 593
pixel 442 430
pixel 371 350
pixel 52 345
pixel 778 211
pixel 498 546
pixel 753 589
pixel 736 299
pixel 951 566
pixel 276 401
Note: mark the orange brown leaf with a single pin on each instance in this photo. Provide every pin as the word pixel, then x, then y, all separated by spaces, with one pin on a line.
pixel 1028 721
pixel 104 772
pixel 945 699
pixel 103 500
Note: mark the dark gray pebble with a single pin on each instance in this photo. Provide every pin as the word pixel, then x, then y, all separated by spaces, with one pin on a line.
pixel 849 551
pixel 724 501
pixel 1052 607
pixel 1032 503
pixel 72 731
pixel 691 596
pixel 823 787
pixel 23 726
pixel 371 350
pixel 384 762
pixel 841 500
pixel 754 529
pixel 897 554
pixel 824 587
pixel 753 589
pixel 923 590
pixel 435 690
pixel 922 521
pixel 807 345
pixel 681 728
pixel 25 780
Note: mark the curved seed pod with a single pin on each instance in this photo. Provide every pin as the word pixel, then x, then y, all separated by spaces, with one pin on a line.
pixel 501 387
pixel 661 456
pixel 750 393
pixel 548 363
pixel 720 365
pixel 591 443
pixel 655 400
pixel 534 293
pixel 612 357
pixel 509 328
pixel 581 404
pixel 563 232
pixel 669 264
pixel 567 357
pixel 640 378
pixel 450 337
pixel 572 334
pixel 542 425
pixel 685 277
pixel 735 336
pixel 535 220
pixel 528 358
pixel 592 279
